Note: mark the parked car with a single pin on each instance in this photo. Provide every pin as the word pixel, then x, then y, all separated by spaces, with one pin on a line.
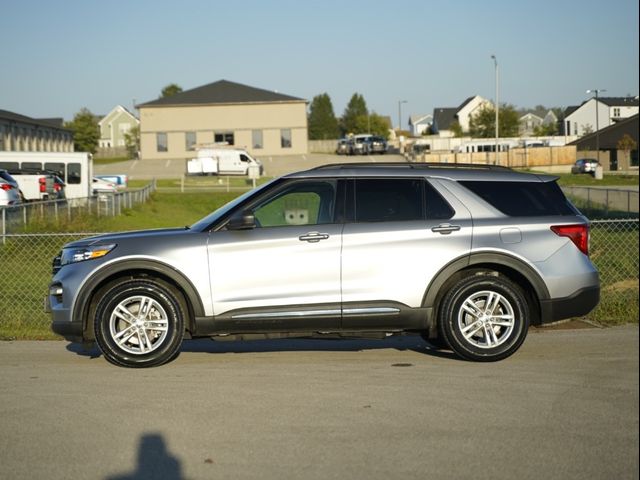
pixel 99 186
pixel 468 256
pixel 359 145
pixel 9 190
pixel 342 148
pixel 585 165
pixel 377 144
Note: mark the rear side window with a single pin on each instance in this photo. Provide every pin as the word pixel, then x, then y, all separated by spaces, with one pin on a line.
pixel 523 199
pixel 388 200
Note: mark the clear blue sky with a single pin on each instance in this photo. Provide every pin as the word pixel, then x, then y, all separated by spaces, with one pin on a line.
pixel 59 56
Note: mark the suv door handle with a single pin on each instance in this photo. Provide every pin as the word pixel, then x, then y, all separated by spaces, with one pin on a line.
pixel 445 228
pixel 313 237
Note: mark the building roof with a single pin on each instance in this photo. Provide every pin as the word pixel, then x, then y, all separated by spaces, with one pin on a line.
pixel 416 119
pixel 619 101
pixel 221 92
pixel 610 136
pixel 444 117
pixel 466 102
pixel 56 123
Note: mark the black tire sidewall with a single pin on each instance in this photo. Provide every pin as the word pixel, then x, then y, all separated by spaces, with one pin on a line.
pixel 448 322
pixel 158 292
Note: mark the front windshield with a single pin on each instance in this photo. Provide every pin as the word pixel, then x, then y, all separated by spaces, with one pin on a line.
pixel 214 216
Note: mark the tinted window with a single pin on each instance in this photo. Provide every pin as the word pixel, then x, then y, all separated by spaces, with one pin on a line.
pixel 73 173
pixel 388 200
pixel 56 168
pixel 437 207
pixel 9 166
pixel 31 166
pixel 523 199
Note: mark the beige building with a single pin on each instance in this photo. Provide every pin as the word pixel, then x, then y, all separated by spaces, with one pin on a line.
pixel 261 121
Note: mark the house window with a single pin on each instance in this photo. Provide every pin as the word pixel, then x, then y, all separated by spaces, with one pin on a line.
pixel 224 137
pixel 616 113
pixel 190 141
pixel 161 142
pixel 285 138
pixel 256 139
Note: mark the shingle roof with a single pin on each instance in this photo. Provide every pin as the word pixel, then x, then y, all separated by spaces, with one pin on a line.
pixel 619 101
pixel 222 92
pixel 443 117
pixel 43 122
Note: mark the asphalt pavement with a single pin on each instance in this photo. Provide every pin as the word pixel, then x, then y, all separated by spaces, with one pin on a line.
pixel 564 407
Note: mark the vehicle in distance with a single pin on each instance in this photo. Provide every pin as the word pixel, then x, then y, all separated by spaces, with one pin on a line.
pixel 100 186
pixel 467 256
pixel 377 144
pixel 585 165
pixel 342 147
pixel 9 190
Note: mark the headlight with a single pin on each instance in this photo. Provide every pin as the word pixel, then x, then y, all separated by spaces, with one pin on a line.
pixel 80 254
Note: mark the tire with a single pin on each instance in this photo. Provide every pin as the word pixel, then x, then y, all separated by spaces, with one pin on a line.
pixel 480 333
pixel 139 323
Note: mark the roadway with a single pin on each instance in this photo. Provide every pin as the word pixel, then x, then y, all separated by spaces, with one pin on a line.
pixel 564 407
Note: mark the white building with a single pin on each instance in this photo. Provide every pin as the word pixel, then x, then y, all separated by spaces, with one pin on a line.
pixel 582 120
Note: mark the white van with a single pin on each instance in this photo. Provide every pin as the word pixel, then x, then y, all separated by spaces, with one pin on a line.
pixel 223 161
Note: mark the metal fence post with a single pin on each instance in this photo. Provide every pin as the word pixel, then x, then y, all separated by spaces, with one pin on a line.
pixel 4 225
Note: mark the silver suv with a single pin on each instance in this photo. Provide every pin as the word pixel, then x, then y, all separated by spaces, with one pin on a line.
pixel 467 256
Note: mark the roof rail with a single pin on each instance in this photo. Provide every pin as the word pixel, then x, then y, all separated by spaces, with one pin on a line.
pixel 411 165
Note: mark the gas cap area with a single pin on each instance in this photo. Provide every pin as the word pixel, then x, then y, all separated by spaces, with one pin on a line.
pixel 510 235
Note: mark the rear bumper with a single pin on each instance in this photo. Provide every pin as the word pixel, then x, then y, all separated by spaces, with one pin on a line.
pixel 576 305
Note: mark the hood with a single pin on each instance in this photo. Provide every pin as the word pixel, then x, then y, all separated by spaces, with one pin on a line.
pixel 119 236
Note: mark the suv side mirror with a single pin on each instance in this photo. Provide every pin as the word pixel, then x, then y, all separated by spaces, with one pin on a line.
pixel 242 221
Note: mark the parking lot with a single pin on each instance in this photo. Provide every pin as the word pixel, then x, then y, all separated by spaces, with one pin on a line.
pixel 565 406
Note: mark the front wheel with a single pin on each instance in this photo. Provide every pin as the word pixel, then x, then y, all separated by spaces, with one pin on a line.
pixel 484 318
pixel 139 323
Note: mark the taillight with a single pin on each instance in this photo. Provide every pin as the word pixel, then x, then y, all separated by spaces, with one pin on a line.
pixel 43 184
pixel 6 186
pixel 578 234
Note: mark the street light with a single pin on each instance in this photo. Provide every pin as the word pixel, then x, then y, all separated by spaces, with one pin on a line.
pixel 400 102
pixel 597 91
pixel 495 63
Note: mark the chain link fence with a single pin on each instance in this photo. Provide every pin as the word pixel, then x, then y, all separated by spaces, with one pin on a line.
pixel 25 261
pixel 14 218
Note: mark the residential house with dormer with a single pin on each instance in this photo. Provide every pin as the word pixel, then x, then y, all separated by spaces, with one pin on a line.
pixel 594 114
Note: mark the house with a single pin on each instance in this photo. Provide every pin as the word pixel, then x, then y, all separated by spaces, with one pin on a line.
pixel 598 114
pixel 262 121
pixel 528 123
pixel 608 139
pixel 114 126
pixel 420 124
pixel 19 133
pixel 444 118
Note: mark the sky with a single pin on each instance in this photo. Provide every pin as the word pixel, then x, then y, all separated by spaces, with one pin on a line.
pixel 60 56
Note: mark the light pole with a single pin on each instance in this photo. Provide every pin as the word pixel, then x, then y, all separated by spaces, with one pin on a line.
pixel 495 63
pixel 400 102
pixel 597 91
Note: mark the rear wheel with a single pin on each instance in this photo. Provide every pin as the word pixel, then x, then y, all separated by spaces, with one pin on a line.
pixel 484 317
pixel 139 323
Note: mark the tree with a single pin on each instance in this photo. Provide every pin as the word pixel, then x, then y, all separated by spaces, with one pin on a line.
pixel 373 123
pixel 627 144
pixel 132 141
pixel 483 123
pixel 86 132
pixel 323 123
pixel 545 130
pixel 170 90
pixel 456 128
pixel 355 108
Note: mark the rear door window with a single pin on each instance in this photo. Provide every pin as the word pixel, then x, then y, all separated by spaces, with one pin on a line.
pixel 523 199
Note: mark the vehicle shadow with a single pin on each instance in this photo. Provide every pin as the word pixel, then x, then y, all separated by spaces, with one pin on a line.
pixel 412 343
